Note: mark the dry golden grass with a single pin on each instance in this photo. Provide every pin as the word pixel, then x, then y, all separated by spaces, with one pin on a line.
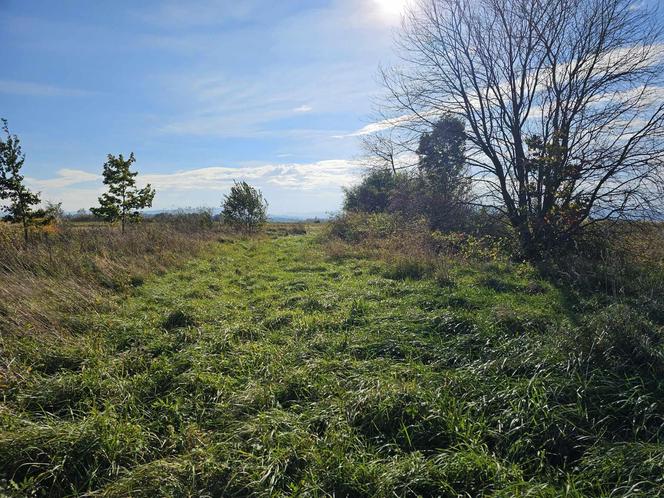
pixel 74 268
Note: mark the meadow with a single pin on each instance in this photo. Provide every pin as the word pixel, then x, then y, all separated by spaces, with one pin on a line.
pixel 309 364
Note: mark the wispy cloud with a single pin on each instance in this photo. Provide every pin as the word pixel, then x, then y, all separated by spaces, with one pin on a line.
pixel 224 105
pixel 285 82
pixel 329 174
pixel 297 176
pixel 65 177
pixel 13 87
pixel 386 124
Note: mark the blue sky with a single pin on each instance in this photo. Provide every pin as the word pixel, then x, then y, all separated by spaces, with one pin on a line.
pixel 201 91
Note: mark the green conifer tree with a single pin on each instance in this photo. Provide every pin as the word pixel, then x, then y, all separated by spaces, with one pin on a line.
pixel 19 199
pixel 123 200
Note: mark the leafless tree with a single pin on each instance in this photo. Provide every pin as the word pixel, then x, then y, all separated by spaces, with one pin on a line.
pixel 379 151
pixel 562 99
pixel 388 149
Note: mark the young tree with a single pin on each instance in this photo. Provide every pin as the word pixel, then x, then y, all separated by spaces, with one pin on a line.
pixel 244 207
pixel 20 200
pixel 123 200
pixel 562 99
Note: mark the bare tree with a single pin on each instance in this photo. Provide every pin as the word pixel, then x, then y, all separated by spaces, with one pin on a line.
pixel 380 151
pixel 562 100
pixel 389 149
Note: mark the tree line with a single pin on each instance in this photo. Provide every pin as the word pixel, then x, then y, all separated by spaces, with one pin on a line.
pixel 244 207
pixel 437 188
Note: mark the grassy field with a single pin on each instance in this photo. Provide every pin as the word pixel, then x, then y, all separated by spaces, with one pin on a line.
pixel 279 367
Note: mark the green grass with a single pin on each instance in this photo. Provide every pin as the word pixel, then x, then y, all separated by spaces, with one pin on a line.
pixel 268 368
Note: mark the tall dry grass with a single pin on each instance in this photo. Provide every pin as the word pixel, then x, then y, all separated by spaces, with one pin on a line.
pixel 73 268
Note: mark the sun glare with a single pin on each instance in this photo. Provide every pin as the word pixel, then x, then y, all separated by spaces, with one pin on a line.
pixel 390 10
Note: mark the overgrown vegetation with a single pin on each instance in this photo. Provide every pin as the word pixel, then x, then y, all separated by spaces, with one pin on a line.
pixel 481 322
pixel 436 189
pixel 403 364
pixel 71 268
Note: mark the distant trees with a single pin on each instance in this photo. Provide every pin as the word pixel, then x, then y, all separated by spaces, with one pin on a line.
pixel 374 193
pixel 123 200
pixel 562 100
pixel 437 188
pixel 20 201
pixel 244 207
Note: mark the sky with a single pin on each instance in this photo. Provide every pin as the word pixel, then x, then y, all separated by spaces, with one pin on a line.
pixel 203 92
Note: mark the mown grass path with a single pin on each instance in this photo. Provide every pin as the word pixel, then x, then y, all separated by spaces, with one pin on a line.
pixel 269 369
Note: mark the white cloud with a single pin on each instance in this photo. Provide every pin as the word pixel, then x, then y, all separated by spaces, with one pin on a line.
pixel 303 108
pixel 298 176
pixel 283 179
pixel 65 177
pixel 386 124
pixel 13 87
pixel 371 128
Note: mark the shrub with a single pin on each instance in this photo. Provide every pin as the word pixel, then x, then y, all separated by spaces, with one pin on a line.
pixel 187 220
pixel 437 190
pixel 357 227
pixel 244 207
pixel 373 193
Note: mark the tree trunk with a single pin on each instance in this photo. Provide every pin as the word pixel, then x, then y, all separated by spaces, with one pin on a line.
pixel 529 243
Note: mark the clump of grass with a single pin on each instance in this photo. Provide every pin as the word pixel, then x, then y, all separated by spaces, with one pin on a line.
pixel 403 268
pixel 520 321
pixel 178 319
pixel 535 287
pixel 357 313
pixel 443 276
pixel 621 338
pixel 497 284
pixel 636 468
pixel 71 457
pixel 136 280
pixel 401 414
pixel 465 471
